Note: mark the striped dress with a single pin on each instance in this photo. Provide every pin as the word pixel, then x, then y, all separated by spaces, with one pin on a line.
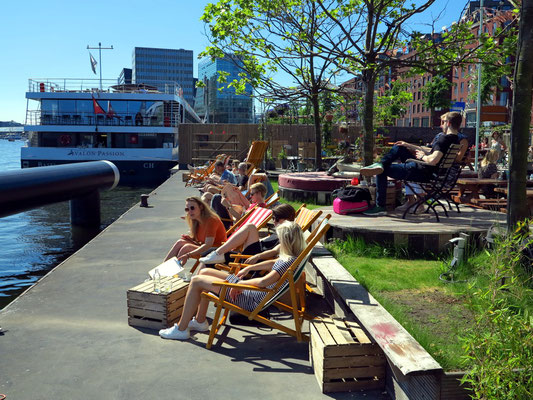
pixel 250 299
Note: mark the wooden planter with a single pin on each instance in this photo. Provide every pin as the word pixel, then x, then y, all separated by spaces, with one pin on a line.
pixel 344 358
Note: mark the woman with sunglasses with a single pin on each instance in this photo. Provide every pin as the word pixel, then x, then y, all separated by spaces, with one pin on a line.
pixel 292 243
pixel 247 236
pixel 206 231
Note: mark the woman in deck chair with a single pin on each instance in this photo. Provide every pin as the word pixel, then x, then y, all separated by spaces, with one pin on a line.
pixel 206 231
pixel 195 308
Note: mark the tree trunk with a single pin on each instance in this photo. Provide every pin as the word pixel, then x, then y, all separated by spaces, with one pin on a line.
pixel 368 118
pixel 517 208
pixel 318 131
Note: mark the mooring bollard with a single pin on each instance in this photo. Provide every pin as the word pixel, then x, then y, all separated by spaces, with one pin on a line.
pixel 144 200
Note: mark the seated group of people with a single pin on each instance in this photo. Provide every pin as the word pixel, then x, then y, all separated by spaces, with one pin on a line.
pixel 207 240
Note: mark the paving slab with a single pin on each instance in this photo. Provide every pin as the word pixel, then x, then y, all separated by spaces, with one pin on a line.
pixel 67 337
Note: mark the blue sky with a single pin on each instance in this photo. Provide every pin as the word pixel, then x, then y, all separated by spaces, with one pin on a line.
pixel 48 39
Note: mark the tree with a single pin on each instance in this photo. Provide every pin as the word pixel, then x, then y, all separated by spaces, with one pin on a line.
pixel 393 103
pixel 521 118
pixel 275 37
pixel 374 31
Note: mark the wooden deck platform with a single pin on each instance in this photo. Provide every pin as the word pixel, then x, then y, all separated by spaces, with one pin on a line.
pixel 420 233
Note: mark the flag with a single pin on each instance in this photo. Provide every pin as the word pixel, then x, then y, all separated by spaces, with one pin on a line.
pixel 97 108
pixel 110 112
pixel 93 63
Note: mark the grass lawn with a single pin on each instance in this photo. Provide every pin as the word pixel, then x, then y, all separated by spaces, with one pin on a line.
pixel 295 204
pixel 435 313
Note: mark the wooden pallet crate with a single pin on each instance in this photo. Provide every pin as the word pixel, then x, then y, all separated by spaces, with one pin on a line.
pixel 344 358
pixel 147 309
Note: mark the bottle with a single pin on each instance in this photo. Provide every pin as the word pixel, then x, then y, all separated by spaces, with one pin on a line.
pixel 157 281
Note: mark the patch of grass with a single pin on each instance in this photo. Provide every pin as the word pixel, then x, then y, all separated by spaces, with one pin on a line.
pixel 433 312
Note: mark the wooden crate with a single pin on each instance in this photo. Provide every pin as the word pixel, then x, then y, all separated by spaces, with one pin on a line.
pixel 392 195
pixel 344 358
pixel 148 309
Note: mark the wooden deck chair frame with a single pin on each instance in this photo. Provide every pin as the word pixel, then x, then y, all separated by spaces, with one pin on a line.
pixel 201 176
pixel 256 154
pixel 445 176
pixel 287 282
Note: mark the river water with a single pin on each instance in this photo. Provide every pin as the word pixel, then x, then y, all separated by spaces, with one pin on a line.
pixel 35 241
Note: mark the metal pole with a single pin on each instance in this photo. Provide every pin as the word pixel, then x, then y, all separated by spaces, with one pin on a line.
pixel 478 105
pixel 100 57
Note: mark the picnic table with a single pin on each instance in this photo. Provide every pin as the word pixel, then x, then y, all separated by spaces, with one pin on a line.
pixel 473 185
pixel 529 194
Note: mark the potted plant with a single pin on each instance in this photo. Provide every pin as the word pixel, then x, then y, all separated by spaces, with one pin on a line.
pixel 282 156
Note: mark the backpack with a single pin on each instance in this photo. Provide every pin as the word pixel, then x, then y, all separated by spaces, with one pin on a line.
pixel 352 194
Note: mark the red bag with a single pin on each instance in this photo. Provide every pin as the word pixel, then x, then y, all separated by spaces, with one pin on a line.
pixel 344 207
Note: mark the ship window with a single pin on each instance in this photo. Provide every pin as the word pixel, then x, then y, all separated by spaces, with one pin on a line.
pixel 67 106
pixel 49 107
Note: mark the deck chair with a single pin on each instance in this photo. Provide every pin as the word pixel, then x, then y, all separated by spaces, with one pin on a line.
pixel 256 154
pixel 287 283
pixel 442 181
pixel 306 217
pixel 201 174
pixel 272 200
pixel 258 216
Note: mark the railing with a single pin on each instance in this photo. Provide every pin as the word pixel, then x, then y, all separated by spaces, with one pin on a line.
pixel 24 189
pixel 93 86
pixel 38 117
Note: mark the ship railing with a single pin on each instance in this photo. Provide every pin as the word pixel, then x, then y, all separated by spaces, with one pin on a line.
pixel 77 85
pixel 40 117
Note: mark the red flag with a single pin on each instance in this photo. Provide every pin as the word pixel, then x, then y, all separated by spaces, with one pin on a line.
pixel 97 108
pixel 110 112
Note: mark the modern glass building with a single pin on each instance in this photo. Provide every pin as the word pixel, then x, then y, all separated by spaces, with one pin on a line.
pixel 222 106
pixel 153 66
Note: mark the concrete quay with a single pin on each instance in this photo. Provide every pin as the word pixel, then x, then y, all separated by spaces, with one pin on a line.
pixel 68 337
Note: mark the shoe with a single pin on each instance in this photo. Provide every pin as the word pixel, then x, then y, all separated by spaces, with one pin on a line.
pixel 194 325
pixel 376 212
pixel 174 333
pixel 404 206
pixel 374 169
pixel 421 209
pixel 213 258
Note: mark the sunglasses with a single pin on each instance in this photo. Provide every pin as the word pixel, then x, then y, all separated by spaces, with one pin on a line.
pixel 252 193
pixel 191 208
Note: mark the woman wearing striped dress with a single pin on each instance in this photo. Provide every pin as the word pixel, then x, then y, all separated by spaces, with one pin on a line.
pixel 292 243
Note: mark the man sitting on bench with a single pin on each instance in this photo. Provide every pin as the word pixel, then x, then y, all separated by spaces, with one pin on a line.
pixel 411 171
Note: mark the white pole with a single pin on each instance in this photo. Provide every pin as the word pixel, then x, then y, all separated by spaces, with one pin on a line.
pixel 478 105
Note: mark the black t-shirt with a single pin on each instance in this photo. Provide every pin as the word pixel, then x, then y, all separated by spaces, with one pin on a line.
pixel 444 142
pixel 242 180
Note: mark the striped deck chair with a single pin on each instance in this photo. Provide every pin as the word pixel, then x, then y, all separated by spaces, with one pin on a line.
pixel 272 200
pixel 258 216
pixel 287 283
pixel 306 217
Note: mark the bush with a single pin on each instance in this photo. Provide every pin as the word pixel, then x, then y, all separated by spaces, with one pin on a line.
pixel 499 350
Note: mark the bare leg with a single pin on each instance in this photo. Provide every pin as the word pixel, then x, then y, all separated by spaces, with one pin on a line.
pixel 207 196
pixel 193 298
pixel 187 248
pixel 175 249
pixel 245 236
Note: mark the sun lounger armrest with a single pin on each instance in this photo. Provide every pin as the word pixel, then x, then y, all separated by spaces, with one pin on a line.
pixel 241 286
pixel 240 255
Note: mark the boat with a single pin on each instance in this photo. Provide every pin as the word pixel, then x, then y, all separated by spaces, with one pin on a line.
pixel 135 126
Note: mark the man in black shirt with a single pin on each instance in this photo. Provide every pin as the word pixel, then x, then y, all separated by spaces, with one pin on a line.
pixel 411 171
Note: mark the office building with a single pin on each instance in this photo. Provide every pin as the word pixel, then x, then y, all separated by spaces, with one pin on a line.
pixel 164 68
pixel 125 77
pixel 224 106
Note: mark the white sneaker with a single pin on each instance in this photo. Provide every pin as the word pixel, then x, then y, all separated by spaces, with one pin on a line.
pixel 194 325
pixel 404 206
pixel 213 258
pixel 174 333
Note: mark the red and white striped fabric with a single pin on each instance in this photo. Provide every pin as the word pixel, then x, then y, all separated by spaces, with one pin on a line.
pixel 258 217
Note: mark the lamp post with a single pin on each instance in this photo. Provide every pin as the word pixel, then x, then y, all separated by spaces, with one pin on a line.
pixel 478 101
